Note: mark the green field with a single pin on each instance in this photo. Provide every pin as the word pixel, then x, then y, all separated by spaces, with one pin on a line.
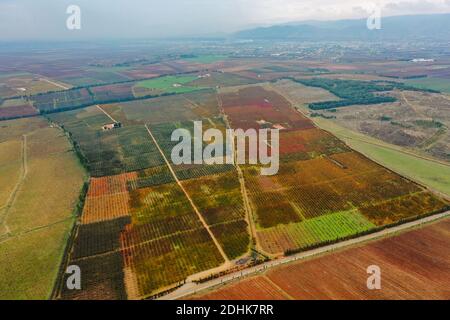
pixel 331 227
pixel 326 228
pixel 211 58
pixel 442 85
pixel 169 84
pixel 428 172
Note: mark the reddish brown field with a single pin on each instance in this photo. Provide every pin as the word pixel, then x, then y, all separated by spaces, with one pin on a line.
pixel 414 265
pixel 251 107
pixel 151 71
pixel 17 111
pixel 259 288
pixel 107 198
pixel 309 140
pixel 110 184
pixel 114 91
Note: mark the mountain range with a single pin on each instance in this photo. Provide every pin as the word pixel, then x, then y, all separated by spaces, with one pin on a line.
pixel 412 27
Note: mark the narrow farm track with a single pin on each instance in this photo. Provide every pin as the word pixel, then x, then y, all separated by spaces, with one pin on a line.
pixel 106 113
pixel 429 143
pixel 7 237
pixel 433 140
pixel 12 197
pixel 191 289
pixel 55 84
pixel 413 107
pixel 245 198
pixel 200 216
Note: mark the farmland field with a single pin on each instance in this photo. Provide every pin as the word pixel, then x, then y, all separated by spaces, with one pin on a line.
pixel 152 231
pixel 438 84
pixel 24 85
pixel 16 108
pixel 423 170
pixel 167 84
pixel 326 191
pixel 138 218
pixel 123 150
pixel 416 265
pixel 206 58
pixel 140 225
pixel 191 106
pixel 33 238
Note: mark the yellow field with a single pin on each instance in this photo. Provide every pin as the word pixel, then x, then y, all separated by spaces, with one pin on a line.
pixel 10 168
pixel 37 206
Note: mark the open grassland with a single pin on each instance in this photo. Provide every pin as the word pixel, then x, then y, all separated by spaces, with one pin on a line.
pixel 10 167
pixel 412 269
pixel 30 262
pixel 32 236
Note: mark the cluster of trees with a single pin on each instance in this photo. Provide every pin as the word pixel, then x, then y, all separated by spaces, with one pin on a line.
pixel 353 92
pixel 316 114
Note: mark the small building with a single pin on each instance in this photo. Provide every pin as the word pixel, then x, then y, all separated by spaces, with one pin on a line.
pixel 111 126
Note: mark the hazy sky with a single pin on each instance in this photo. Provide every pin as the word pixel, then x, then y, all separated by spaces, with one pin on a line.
pixel 46 19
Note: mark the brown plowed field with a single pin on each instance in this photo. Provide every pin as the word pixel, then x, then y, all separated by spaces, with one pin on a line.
pixel 107 198
pixel 414 265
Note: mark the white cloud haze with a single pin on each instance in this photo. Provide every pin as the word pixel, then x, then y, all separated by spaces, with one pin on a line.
pixel 46 19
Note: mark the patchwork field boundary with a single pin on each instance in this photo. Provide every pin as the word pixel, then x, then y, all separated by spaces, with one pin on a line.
pixel 192 289
pixel 246 201
pixel 200 216
pixel 76 231
pixel 58 284
pixel 404 176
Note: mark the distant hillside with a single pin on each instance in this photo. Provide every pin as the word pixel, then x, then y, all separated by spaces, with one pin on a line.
pixel 436 26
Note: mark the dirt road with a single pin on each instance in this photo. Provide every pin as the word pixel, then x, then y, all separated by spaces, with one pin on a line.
pixel 13 195
pixel 106 113
pixel 55 84
pixel 192 288
pixel 200 216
